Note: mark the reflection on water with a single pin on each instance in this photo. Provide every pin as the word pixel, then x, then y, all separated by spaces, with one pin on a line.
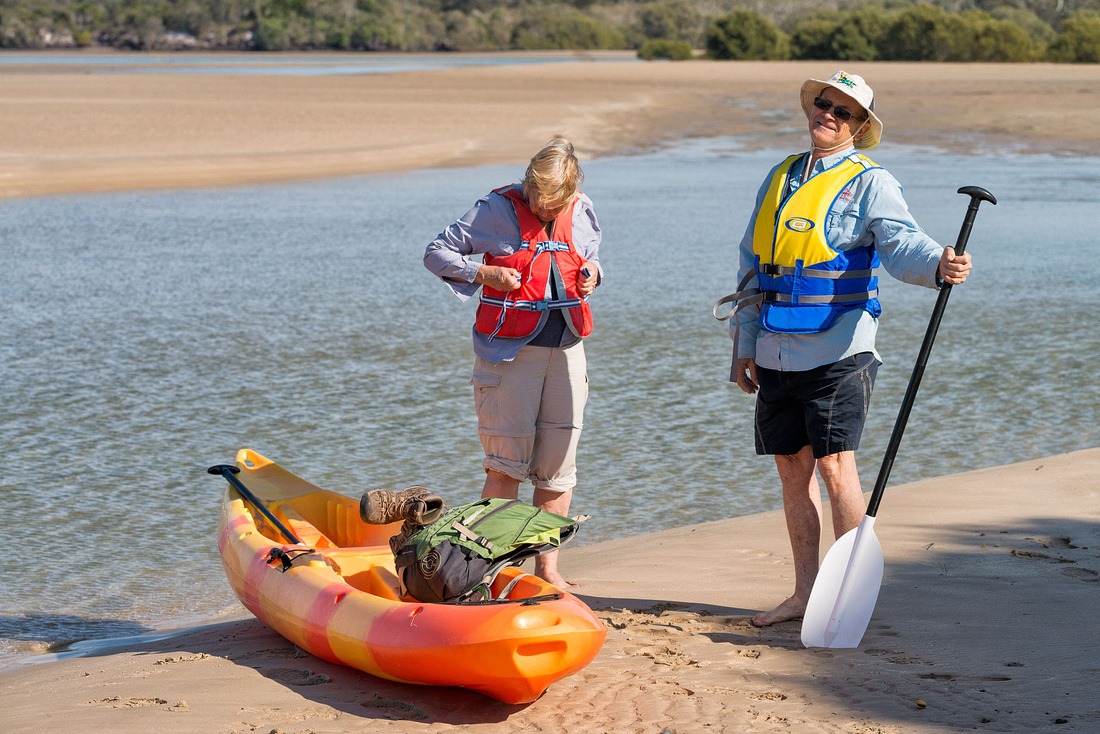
pixel 147 336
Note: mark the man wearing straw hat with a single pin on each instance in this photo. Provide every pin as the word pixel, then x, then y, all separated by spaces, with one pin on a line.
pixel 806 311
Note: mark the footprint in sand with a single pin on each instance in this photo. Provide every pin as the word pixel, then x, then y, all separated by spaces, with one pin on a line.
pixel 393 709
pixel 1053 542
pixel 119 702
pixel 1040 556
pixel 769 696
pixel 182 659
pixel 293 652
pixel 883 630
pixel 1081 574
pixel 294 677
pixel 1060 546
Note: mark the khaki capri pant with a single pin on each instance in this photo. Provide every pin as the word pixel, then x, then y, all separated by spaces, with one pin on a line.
pixel 530 412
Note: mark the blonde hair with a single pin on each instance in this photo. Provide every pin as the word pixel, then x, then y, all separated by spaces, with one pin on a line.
pixel 553 175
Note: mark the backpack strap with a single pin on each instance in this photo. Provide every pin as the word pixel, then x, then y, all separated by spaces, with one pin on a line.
pixel 511 585
pixel 471 536
pixel 467 530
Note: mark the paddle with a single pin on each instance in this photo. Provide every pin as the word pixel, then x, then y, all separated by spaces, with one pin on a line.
pixel 844 594
pixel 230 472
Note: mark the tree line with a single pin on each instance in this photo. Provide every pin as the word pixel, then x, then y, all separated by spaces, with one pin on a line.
pixel 910 30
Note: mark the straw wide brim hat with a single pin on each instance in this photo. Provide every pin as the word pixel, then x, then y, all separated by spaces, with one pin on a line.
pixel 853 86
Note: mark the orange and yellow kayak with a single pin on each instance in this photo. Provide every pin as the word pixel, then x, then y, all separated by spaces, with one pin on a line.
pixel 338 597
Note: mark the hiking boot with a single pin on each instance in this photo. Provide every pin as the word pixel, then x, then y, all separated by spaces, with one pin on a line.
pixel 414 505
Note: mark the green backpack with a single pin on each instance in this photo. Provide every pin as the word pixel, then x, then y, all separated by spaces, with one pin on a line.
pixel 456 558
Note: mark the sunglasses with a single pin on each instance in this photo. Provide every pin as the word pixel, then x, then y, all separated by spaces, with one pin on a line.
pixel 841 113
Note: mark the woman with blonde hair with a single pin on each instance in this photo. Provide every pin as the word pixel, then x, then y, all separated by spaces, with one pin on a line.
pixel 539 241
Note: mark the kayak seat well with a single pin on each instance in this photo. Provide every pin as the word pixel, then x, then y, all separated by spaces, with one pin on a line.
pixel 370 572
pixel 336 518
pixel 305 531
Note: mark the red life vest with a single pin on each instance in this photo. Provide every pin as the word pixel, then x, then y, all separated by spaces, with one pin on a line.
pixel 516 314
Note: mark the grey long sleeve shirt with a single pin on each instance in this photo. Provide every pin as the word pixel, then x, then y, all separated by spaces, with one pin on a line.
pixel 492 227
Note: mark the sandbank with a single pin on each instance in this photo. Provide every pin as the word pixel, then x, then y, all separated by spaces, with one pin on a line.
pixel 987 614
pixel 988 606
pixel 69 131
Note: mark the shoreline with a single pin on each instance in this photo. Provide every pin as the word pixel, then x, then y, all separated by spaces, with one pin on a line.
pixel 984 614
pixel 987 606
pixel 69 132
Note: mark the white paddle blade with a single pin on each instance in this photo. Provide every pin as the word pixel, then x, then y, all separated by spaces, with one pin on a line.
pixel 846 589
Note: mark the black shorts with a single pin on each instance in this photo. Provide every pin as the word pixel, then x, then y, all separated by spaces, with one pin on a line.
pixel 825 407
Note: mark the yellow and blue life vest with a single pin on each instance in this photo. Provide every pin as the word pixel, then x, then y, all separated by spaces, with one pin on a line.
pixel 804 283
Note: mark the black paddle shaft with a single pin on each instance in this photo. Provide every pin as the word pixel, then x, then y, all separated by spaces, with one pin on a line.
pixel 230 474
pixel 977 196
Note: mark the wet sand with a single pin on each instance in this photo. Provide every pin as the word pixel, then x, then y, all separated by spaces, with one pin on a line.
pixel 66 131
pixel 987 614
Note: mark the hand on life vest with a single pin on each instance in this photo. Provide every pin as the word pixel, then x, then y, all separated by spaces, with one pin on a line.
pixel 954 268
pixel 500 278
pixel 586 283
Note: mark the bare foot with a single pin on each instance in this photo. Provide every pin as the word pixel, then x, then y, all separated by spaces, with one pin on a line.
pixel 792 608
pixel 558 580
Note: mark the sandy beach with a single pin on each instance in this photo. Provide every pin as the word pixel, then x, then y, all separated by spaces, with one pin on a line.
pixel 987 612
pixel 67 131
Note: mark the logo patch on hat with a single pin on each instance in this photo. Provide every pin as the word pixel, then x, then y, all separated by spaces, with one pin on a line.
pixel 843 79
pixel 798 224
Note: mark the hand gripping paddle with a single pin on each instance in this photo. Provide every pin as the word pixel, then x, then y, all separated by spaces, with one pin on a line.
pixel 844 594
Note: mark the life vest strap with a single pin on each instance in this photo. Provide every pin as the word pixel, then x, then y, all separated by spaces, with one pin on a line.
pixel 534 305
pixel 548 246
pixel 741 298
pixel 507 303
pixel 774 297
pixel 780 270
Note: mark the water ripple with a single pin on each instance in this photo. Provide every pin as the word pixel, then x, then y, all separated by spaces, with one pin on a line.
pixel 147 336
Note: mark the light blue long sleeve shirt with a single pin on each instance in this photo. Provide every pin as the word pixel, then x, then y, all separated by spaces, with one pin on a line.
pixel 492 227
pixel 869 211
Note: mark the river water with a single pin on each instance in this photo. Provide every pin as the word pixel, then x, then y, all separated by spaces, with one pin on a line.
pixel 286 63
pixel 147 336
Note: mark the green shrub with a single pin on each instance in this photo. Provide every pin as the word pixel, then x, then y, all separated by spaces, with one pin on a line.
pixel 337 37
pixel 1040 31
pixel 1079 40
pixel 564 29
pixel 675 20
pixel 269 35
pixel 466 32
pixel 852 36
pixel 996 40
pixel 370 35
pixel 923 33
pixel 745 35
pixel 664 48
